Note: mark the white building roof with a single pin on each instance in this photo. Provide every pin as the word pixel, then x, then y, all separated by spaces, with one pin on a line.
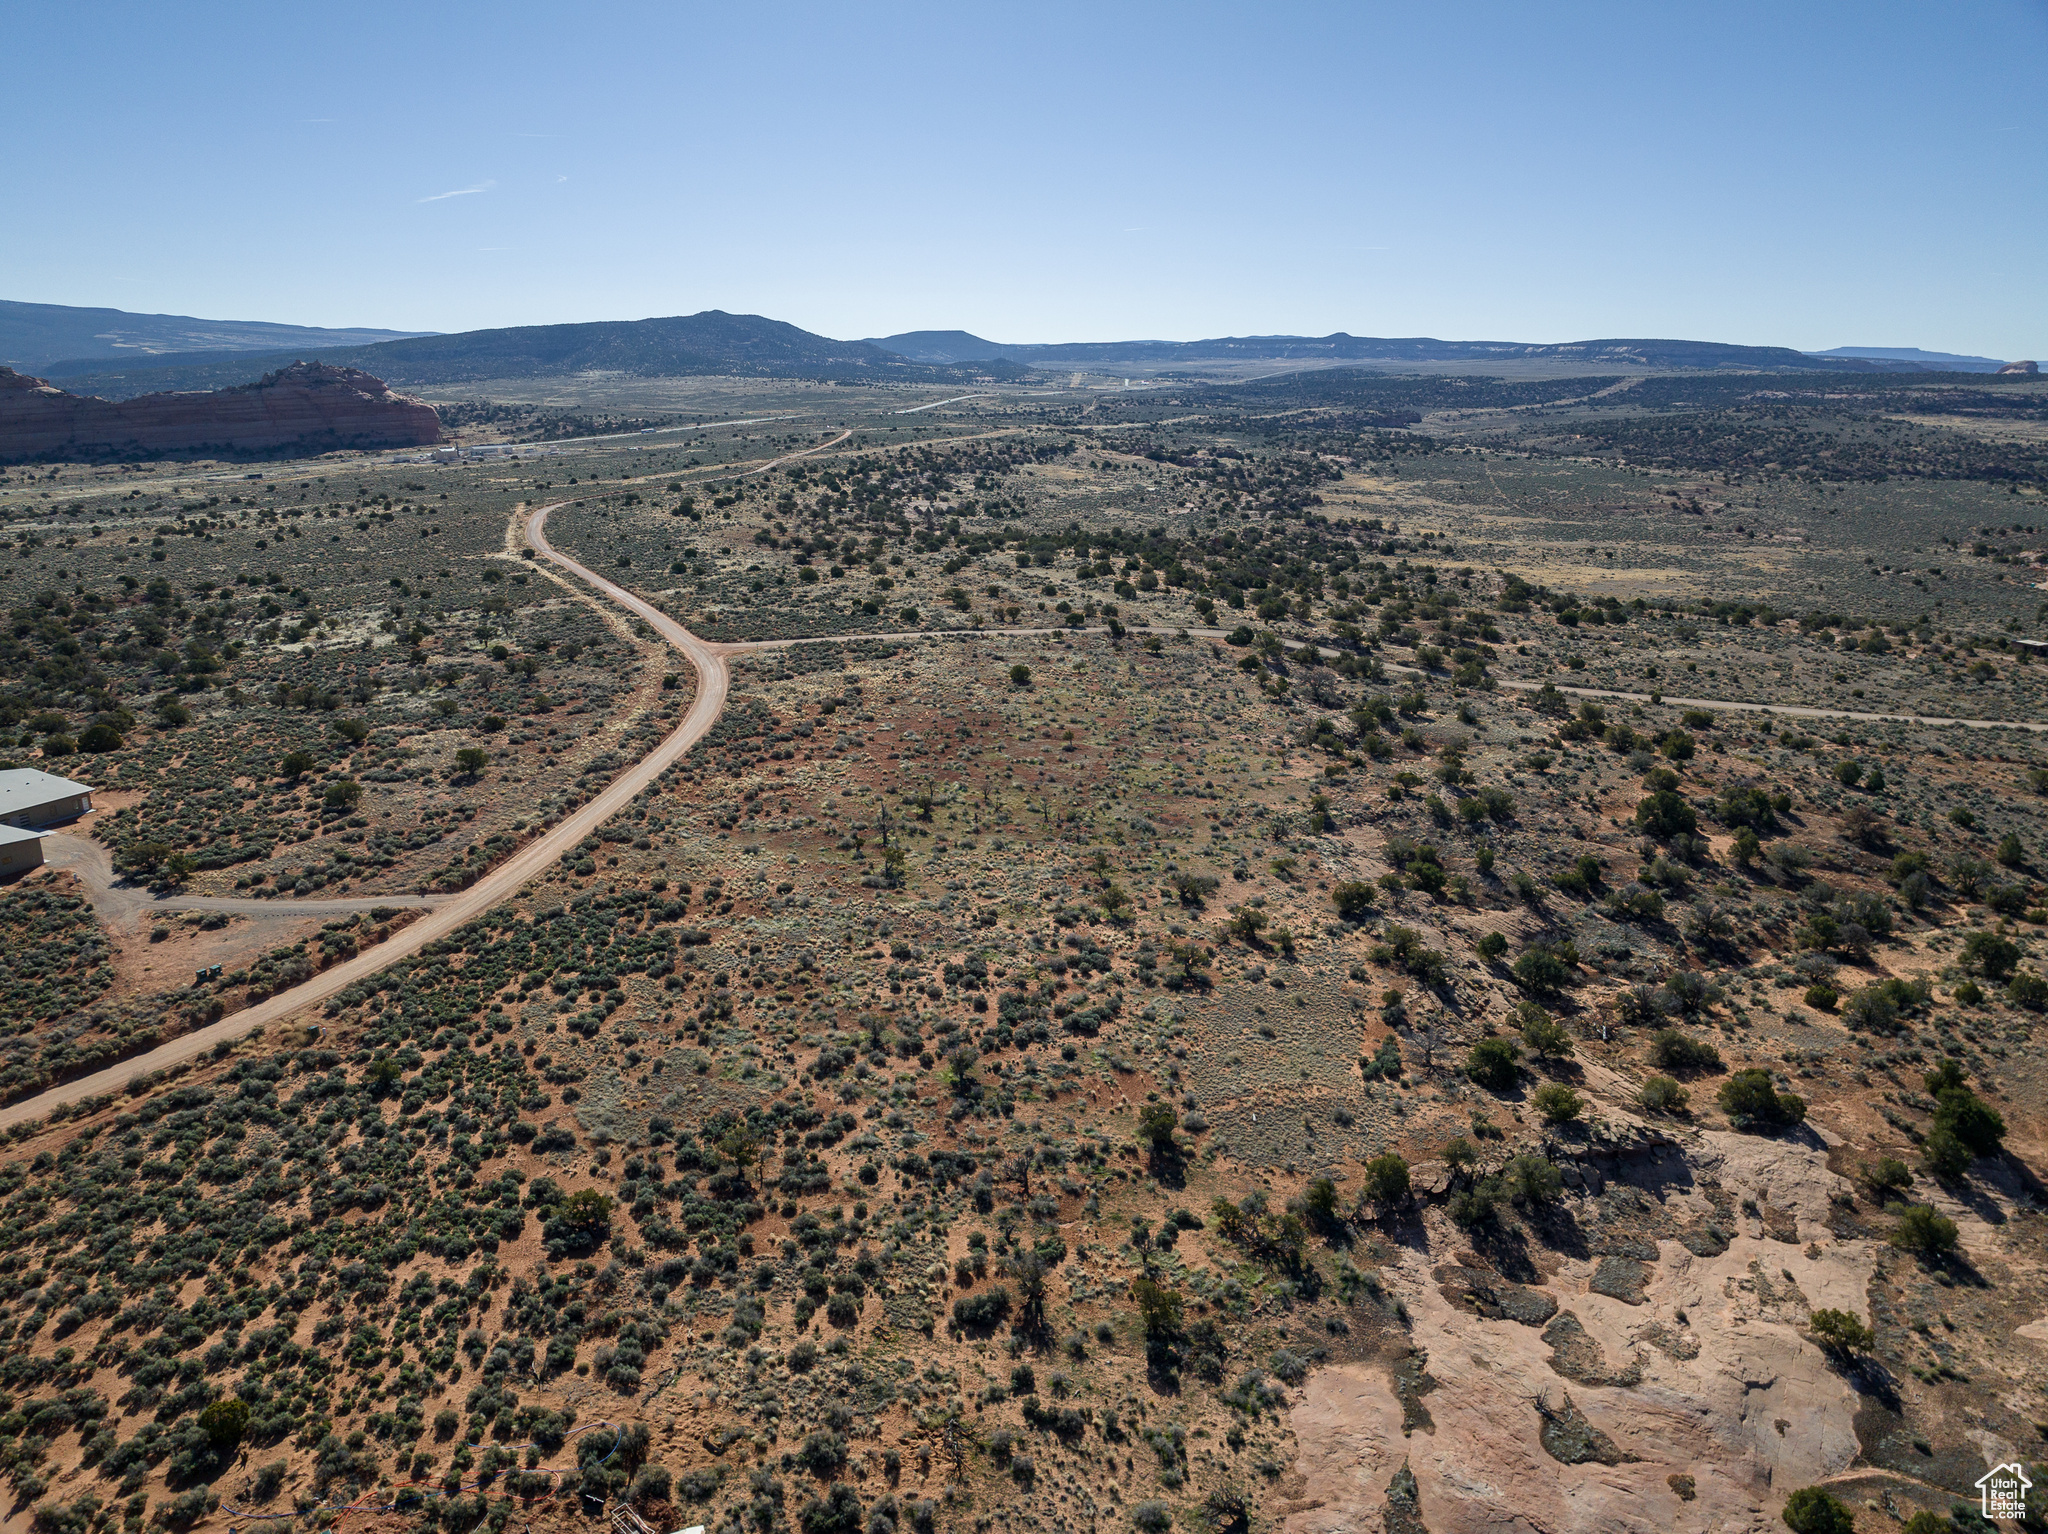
pixel 24 788
pixel 10 835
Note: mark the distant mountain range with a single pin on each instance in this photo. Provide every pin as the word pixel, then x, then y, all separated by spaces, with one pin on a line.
pixel 33 336
pixel 713 342
pixel 114 355
pixel 960 346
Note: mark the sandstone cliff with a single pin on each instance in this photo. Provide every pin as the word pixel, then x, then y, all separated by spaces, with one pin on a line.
pixel 308 407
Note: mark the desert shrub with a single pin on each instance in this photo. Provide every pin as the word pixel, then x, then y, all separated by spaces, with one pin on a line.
pixel 1924 1232
pixel 983 1311
pixel 1354 899
pixel 1543 1034
pixel 1660 1094
pixel 1157 1125
pixel 1687 992
pixel 224 1421
pixel 837 1512
pixel 1477 1205
pixel 1755 1106
pixel 1384 1063
pixel 185 1509
pixel 651 1483
pixel 1887 1176
pixel 700 1484
pixel 1990 953
pixel 1975 1124
pixel 1386 1180
pixel 1810 1510
pixel 1665 814
pixel 1945 1155
pixel 2028 990
pixel 1403 948
pixel 1532 1179
pixel 1492 1063
pixel 1676 1051
pixel 74 1517
pixel 823 1453
pixel 1558 1103
pixel 1546 968
pixel 1841 1332
pixel 1748 808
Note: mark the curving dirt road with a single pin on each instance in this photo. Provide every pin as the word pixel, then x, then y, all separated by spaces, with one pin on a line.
pixel 713 676
pixel 119 902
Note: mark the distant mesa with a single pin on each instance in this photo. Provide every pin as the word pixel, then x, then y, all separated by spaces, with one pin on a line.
pixel 960 348
pixel 308 407
pixel 2021 369
pixel 1913 359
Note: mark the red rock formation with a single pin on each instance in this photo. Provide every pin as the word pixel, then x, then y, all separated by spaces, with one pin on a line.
pixel 308 407
pixel 2023 369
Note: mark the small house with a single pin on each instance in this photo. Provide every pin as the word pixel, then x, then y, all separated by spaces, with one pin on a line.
pixel 30 798
pixel 20 851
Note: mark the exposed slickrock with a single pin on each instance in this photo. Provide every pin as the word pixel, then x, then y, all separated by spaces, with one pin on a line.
pixel 1691 1408
pixel 307 407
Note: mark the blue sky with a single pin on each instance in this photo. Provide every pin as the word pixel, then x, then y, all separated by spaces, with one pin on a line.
pixel 1805 173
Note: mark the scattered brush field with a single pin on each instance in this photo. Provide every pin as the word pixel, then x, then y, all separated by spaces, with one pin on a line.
pixel 1240 957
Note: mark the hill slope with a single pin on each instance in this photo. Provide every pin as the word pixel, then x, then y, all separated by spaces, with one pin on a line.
pixel 945 346
pixel 35 335
pixel 712 342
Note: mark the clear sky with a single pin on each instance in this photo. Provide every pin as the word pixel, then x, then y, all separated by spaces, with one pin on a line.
pixel 1798 172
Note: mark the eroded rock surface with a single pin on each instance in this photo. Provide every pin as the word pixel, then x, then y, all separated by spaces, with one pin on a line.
pixel 308 406
pixel 1689 1399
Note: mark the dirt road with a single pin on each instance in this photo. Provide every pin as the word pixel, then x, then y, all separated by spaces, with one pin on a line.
pixel 1669 700
pixel 497 885
pixel 120 902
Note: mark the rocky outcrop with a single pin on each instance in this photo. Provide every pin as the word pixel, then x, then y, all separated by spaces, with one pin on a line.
pixel 2023 369
pixel 308 407
pixel 1696 1399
